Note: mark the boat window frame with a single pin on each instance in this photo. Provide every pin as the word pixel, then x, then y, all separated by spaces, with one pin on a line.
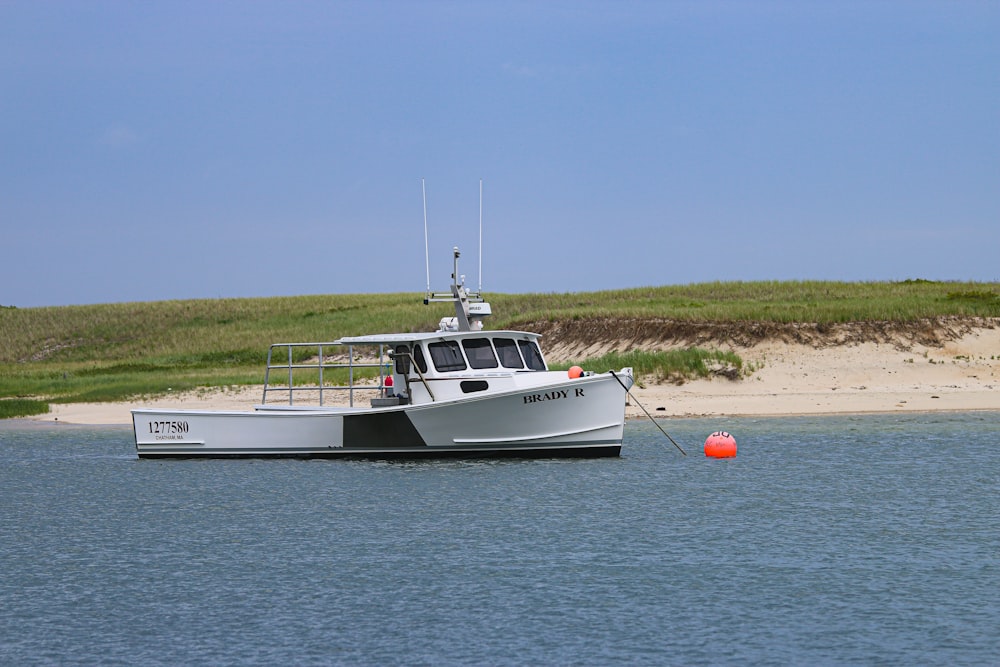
pixel 476 350
pixel 443 364
pixel 401 355
pixel 418 357
pixel 472 386
pixel 532 354
pixel 505 357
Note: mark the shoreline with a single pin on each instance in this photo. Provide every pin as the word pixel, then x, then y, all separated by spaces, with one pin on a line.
pixel 788 379
pixel 632 415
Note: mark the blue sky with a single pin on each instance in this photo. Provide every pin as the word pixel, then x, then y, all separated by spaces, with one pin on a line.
pixel 174 150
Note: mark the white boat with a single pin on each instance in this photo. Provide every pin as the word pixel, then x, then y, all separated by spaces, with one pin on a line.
pixel 459 391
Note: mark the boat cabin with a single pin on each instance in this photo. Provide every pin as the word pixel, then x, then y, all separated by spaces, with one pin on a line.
pixel 412 368
pixel 421 362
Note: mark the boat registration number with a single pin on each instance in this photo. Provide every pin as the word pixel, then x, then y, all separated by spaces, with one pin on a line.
pixel 168 427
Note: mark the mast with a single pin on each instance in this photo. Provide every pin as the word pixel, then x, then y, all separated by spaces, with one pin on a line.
pixel 427 257
pixel 480 236
pixel 470 308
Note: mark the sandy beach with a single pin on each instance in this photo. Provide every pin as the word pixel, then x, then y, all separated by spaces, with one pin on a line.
pixel 789 379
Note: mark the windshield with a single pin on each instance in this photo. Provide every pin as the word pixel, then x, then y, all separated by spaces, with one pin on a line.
pixel 532 355
pixel 480 352
pixel 447 356
pixel 507 350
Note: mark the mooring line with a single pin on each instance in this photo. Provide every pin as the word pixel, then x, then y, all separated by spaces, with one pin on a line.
pixel 632 396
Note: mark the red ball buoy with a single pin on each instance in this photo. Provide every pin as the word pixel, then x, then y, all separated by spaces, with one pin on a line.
pixel 575 372
pixel 720 445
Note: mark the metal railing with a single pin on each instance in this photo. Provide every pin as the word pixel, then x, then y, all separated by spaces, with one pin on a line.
pixel 288 364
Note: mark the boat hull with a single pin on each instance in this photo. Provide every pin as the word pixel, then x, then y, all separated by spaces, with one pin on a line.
pixel 581 418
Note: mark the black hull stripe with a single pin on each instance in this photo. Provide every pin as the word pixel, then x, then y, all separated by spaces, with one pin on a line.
pixel 381 429
pixel 576 451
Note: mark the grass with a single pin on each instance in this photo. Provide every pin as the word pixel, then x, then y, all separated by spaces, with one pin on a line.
pixel 670 366
pixel 21 407
pixel 799 301
pixel 121 351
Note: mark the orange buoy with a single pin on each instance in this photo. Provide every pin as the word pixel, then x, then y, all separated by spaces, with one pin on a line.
pixel 575 372
pixel 720 445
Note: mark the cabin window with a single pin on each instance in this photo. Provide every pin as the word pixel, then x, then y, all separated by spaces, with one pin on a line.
pixel 447 356
pixel 402 357
pixel 418 357
pixel 470 386
pixel 532 355
pixel 507 351
pixel 480 352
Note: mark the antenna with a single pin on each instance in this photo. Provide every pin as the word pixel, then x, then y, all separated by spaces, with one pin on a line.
pixel 480 236
pixel 427 259
pixel 470 309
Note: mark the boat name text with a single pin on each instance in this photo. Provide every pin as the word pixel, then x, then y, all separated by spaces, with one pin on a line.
pixel 552 395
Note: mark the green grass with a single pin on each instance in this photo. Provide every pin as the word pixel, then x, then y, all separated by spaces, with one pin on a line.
pixel 799 301
pixel 670 366
pixel 21 407
pixel 120 351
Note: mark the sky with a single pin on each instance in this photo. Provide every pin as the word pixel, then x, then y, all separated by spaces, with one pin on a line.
pixel 173 150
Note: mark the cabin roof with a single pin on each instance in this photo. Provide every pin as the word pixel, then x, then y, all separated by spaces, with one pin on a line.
pixel 388 339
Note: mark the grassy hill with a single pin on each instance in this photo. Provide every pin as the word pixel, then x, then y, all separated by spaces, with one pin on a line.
pixel 127 350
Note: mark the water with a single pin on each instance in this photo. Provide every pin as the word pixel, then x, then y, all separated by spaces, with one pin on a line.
pixel 837 540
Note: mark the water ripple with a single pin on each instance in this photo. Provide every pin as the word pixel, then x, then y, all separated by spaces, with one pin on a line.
pixel 825 541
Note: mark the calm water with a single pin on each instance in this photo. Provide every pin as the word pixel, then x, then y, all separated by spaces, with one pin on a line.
pixel 846 540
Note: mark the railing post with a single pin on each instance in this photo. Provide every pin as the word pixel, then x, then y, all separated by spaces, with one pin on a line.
pixel 267 374
pixel 291 387
pixel 321 375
